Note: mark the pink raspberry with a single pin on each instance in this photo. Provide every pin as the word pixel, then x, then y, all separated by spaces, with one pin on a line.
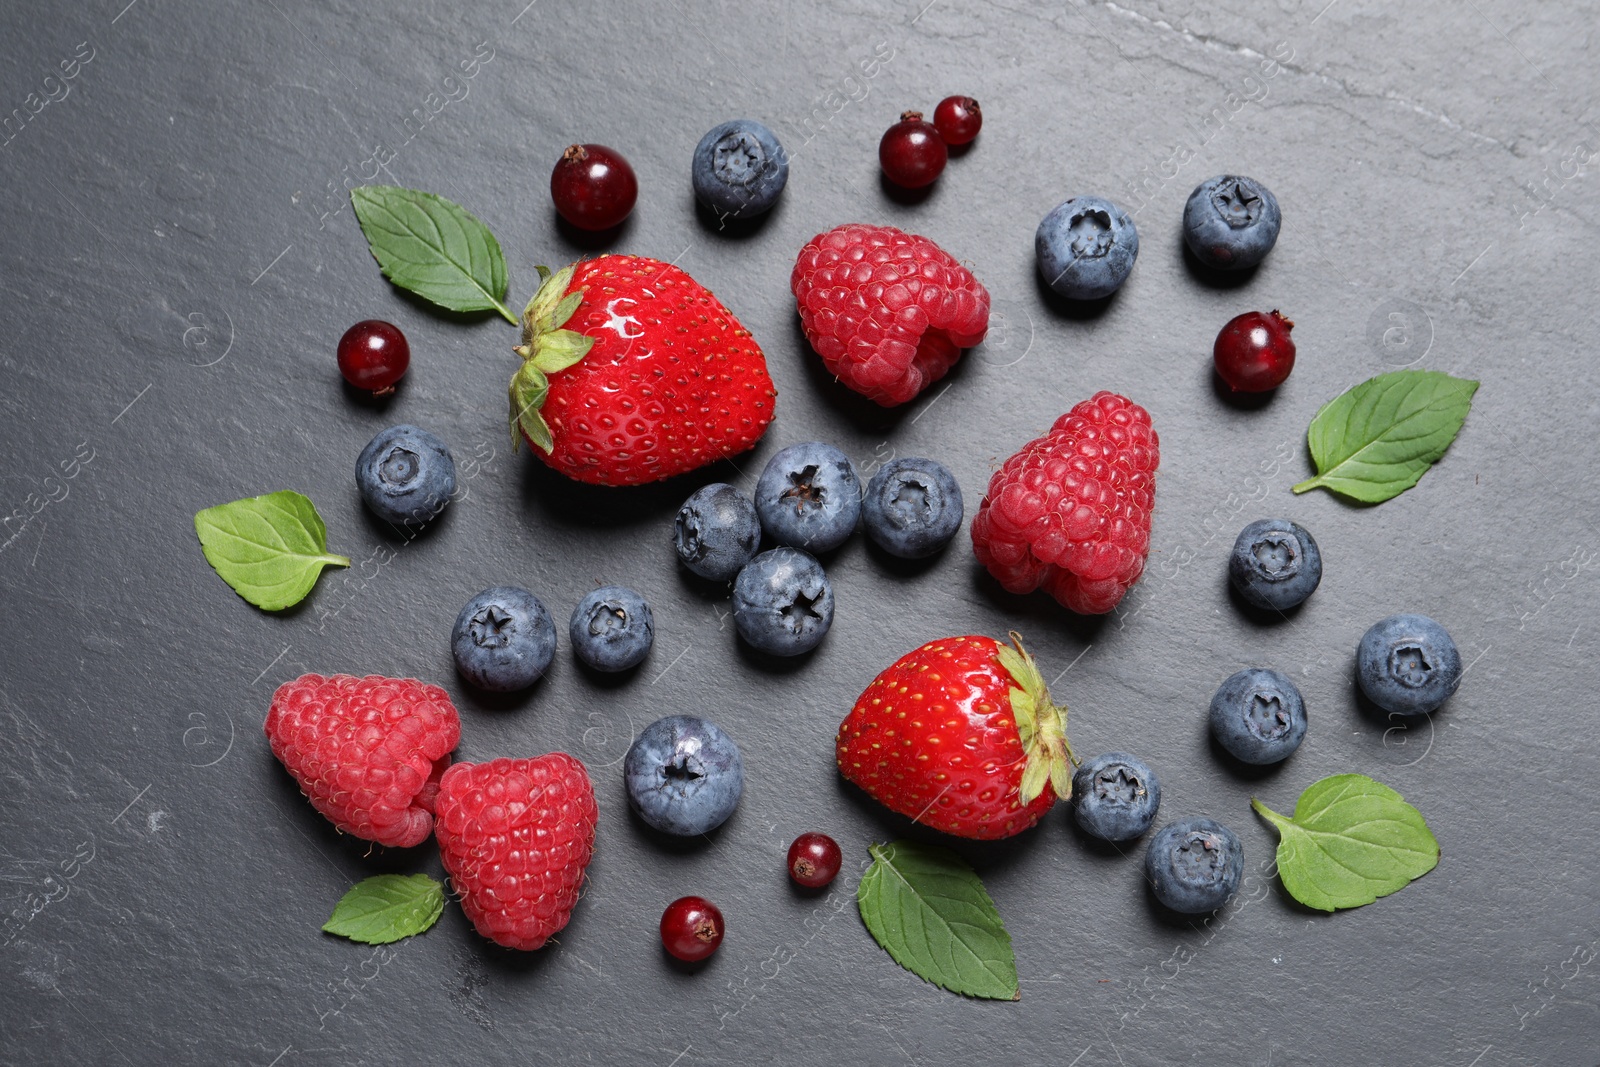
pixel 516 836
pixel 367 752
pixel 1070 512
pixel 888 312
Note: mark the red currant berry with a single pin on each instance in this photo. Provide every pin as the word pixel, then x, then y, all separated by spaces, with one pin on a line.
pixel 1253 352
pixel 593 186
pixel 912 152
pixel 814 860
pixel 957 119
pixel 373 355
pixel 691 928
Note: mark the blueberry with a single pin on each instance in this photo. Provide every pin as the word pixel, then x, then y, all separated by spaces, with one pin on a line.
pixel 782 602
pixel 809 497
pixel 1275 564
pixel 1115 797
pixel 739 168
pixel 912 507
pixel 684 775
pixel 1086 247
pixel 503 639
pixel 717 531
pixel 1231 222
pixel 406 475
pixel 612 628
pixel 1258 715
pixel 1407 664
pixel 1194 865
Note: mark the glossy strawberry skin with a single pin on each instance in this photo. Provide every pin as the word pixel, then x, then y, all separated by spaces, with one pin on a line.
pixel 673 382
pixel 516 836
pixel 934 738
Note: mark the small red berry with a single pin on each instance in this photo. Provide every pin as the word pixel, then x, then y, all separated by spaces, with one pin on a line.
pixel 691 928
pixel 958 119
pixel 912 152
pixel 814 860
pixel 1253 352
pixel 593 186
pixel 373 355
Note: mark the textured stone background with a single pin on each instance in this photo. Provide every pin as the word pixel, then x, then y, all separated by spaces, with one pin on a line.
pixel 179 258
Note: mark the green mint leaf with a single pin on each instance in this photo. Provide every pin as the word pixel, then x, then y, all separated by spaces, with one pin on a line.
pixel 269 548
pixel 930 912
pixel 1376 440
pixel 387 907
pixel 433 247
pixel 1351 841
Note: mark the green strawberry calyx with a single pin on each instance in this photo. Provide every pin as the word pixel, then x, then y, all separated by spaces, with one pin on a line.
pixel 546 348
pixel 1041 724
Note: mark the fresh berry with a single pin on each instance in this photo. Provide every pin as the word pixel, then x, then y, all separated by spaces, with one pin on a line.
pixel 783 602
pixel 1258 716
pixel 515 836
pixel 1275 564
pixel 958 119
pixel 1408 664
pixel 373 355
pixel 593 186
pixel 888 312
pixel 1254 352
pixel 809 497
pixel 814 860
pixel 367 752
pixel 1194 865
pixel 691 928
pixel 1115 797
pixel 717 531
pixel 913 507
pixel 1086 247
pixel 406 475
pixel 503 640
pixel 912 153
pixel 1070 512
pixel 960 735
pixel 646 375
pixel 1231 222
pixel 684 775
pixel 739 168
pixel 612 628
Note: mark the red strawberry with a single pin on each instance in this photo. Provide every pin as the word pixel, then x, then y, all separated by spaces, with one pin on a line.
pixel 367 752
pixel 633 372
pixel 888 312
pixel 1071 510
pixel 515 836
pixel 960 735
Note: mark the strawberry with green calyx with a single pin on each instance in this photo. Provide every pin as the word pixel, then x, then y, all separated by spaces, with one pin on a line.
pixel 960 735
pixel 633 372
pixel 546 348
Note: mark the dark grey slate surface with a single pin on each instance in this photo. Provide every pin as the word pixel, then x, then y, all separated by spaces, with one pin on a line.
pixel 178 260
